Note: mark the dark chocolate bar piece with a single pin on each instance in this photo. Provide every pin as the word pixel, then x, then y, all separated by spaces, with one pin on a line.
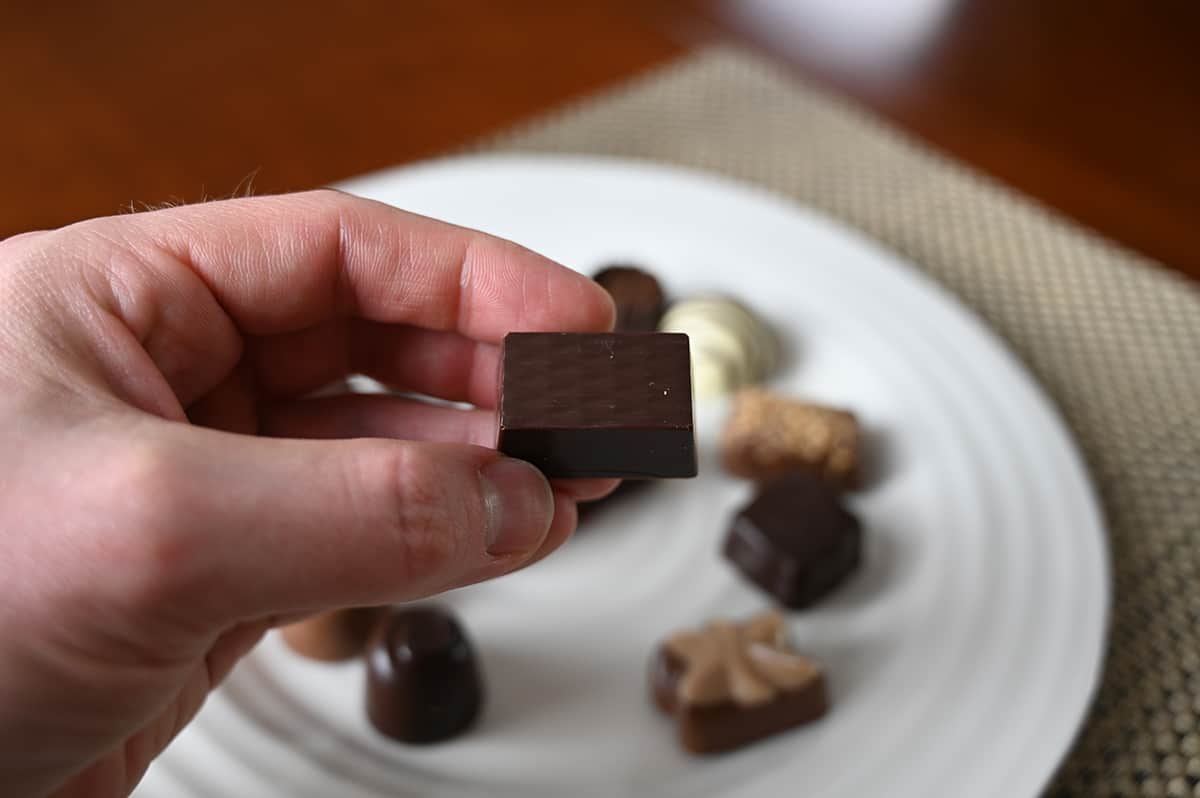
pixel 333 636
pixel 423 684
pixel 731 684
pixel 639 300
pixel 795 540
pixel 637 295
pixel 598 404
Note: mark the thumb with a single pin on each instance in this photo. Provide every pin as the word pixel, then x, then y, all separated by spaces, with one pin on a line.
pixel 251 526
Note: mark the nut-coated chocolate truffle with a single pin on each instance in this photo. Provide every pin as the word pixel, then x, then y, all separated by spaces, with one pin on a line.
pixel 769 435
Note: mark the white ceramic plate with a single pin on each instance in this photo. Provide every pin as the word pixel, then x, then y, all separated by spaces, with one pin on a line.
pixel 962 655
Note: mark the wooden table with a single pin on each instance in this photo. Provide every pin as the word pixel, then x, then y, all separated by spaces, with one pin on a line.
pixel 1093 106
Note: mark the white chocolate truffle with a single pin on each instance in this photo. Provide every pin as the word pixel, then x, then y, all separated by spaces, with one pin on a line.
pixel 731 346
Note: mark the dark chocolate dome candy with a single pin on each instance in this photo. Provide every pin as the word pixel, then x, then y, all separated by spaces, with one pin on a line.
pixel 423 683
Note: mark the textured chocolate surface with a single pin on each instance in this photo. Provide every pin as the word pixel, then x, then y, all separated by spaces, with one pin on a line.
pixel 598 404
pixel 726 723
pixel 335 635
pixel 423 684
pixel 637 294
pixel 795 540
pixel 769 435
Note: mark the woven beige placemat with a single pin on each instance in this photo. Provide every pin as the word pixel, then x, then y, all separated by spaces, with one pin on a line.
pixel 1112 337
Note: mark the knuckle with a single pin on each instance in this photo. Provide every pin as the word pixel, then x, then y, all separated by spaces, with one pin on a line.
pixel 12 246
pixel 154 540
pixel 333 203
pixel 428 522
pixel 143 480
pixel 332 196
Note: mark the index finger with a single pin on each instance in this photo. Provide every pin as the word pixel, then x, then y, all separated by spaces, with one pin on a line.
pixel 283 263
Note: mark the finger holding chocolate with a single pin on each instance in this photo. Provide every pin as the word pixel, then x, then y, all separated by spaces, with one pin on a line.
pixel 585 406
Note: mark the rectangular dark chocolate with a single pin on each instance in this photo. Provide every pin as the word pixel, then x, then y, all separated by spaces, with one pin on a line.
pixel 598 404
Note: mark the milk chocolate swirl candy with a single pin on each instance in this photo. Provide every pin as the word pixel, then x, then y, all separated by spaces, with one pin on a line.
pixel 423 683
pixel 730 684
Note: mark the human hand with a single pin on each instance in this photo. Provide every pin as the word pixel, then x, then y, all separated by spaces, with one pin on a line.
pixel 152 532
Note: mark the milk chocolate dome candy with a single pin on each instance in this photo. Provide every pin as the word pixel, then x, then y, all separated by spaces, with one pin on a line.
pixel 333 636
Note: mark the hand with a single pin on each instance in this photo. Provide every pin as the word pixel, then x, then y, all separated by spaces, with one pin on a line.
pixel 152 531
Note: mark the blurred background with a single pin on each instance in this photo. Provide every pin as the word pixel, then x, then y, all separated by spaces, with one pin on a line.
pixel 1091 106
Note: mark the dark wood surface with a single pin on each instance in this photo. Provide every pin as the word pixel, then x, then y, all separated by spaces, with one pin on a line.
pixel 145 101
pixel 1092 107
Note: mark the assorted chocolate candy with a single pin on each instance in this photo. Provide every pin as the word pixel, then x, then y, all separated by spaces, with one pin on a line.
pixel 598 404
pixel 423 683
pixel 333 636
pixel 620 405
pixel 769 435
pixel 730 684
pixel 795 540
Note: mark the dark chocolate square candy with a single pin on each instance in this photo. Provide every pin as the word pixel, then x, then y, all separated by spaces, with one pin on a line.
pixel 795 540
pixel 598 404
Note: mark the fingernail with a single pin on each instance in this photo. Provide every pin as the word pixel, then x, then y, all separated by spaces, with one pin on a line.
pixel 518 505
